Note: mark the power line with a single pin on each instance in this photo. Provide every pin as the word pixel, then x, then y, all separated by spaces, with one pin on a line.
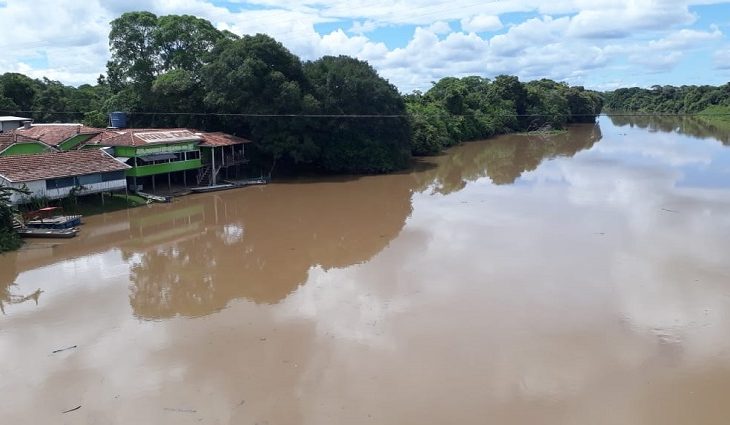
pixel 259 115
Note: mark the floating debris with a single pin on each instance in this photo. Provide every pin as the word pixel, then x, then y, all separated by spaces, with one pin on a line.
pixel 71 410
pixel 64 349
pixel 173 409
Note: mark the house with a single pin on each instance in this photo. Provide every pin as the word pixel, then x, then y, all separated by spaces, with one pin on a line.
pixel 153 154
pixel 220 152
pixel 63 137
pixel 11 123
pixel 55 175
pixel 11 144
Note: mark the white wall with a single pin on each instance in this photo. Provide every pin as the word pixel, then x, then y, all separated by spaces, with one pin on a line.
pixel 38 189
pixel 6 126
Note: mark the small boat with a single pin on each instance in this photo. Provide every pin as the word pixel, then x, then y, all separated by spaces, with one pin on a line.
pixel 249 182
pixel 28 232
pixel 156 198
pixel 45 218
pixel 212 188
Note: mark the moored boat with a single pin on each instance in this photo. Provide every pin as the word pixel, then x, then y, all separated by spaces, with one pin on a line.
pixel 28 232
pixel 212 188
pixel 156 198
pixel 47 218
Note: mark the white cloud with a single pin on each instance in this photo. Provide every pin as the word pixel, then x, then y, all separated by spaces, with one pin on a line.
pixel 362 27
pixel 657 62
pixel 533 32
pixel 684 39
pixel 721 58
pixel 68 41
pixel 618 19
pixel 440 27
pixel 481 23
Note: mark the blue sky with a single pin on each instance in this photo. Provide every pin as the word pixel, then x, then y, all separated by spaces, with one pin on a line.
pixel 601 44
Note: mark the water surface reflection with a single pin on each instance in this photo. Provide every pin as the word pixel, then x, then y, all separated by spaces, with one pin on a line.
pixel 523 280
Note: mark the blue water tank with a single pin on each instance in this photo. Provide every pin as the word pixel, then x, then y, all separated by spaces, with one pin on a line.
pixel 117 119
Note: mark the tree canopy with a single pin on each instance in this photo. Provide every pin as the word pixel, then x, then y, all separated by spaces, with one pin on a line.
pixel 459 109
pixel 668 99
pixel 334 114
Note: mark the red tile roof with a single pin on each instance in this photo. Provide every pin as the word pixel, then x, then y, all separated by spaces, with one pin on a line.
pixel 25 168
pixel 55 134
pixel 6 140
pixel 143 136
pixel 221 139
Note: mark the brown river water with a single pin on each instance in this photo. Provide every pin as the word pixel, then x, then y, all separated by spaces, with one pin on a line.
pixel 576 279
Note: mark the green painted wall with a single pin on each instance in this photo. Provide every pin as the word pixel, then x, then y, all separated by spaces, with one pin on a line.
pixel 25 149
pixel 74 141
pixel 149 170
pixel 206 153
pixel 131 151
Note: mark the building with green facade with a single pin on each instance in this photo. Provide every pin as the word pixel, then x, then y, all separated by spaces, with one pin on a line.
pixel 62 137
pixel 11 145
pixel 159 159
pixel 156 156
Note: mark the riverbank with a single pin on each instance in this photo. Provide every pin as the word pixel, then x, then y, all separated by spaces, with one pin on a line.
pixel 719 116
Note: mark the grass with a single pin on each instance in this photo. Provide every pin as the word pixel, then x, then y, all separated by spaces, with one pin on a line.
pixel 716 113
pixel 718 116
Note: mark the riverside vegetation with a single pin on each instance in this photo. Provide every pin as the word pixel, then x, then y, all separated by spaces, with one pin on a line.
pixel 710 104
pixel 180 71
pixel 331 115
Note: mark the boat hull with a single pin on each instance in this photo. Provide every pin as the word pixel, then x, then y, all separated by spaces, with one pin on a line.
pixel 57 222
pixel 47 233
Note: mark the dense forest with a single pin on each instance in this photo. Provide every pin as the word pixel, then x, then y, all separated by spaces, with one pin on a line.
pixel 180 71
pixel 669 99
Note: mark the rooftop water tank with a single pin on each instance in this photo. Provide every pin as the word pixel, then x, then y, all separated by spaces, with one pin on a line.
pixel 117 119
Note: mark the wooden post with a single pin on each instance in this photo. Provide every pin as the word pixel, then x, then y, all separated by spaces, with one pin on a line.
pixel 212 171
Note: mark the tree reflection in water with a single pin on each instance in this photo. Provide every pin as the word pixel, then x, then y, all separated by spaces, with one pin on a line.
pixel 504 159
pixel 259 243
pixel 695 126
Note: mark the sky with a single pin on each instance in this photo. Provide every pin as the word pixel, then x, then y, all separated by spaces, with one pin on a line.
pixel 600 44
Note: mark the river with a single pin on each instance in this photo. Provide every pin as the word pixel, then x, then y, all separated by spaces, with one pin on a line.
pixel 581 278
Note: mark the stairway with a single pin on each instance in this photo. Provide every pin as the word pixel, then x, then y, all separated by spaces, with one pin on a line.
pixel 17 223
pixel 205 174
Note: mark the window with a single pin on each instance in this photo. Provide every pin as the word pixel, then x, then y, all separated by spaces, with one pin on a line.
pixel 60 183
pixel 89 179
pixel 116 175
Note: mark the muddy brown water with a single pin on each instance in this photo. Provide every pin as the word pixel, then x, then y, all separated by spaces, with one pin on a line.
pixel 575 279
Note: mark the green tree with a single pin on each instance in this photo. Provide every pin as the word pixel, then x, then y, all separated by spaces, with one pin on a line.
pixel 134 51
pixel 348 86
pixel 184 42
pixel 257 75
pixel 20 89
pixel 9 239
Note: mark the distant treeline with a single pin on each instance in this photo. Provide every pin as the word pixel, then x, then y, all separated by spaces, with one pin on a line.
pixel 669 99
pixel 334 114
pixel 471 108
